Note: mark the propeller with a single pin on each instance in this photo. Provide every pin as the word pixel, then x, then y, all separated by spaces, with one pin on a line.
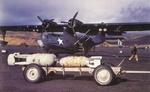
pixel 46 23
pixel 43 23
pixel 72 23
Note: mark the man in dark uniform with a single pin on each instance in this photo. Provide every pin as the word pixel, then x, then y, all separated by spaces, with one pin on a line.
pixel 134 53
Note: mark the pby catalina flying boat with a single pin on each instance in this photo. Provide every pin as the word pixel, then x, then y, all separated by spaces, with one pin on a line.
pixel 74 35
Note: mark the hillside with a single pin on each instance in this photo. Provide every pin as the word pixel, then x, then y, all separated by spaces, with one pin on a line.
pixel 17 38
pixel 30 38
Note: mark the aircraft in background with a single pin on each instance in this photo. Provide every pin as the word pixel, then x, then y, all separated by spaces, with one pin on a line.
pixel 74 35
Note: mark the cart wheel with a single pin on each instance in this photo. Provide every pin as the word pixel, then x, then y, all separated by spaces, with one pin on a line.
pixel 103 75
pixel 33 73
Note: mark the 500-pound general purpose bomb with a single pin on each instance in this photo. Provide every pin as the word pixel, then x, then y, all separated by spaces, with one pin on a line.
pixel 42 59
pixel 74 61
pixel 25 59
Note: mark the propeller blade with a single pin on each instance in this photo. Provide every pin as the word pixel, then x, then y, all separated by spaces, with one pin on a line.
pixel 75 15
pixel 74 32
pixel 72 20
pixel 39 18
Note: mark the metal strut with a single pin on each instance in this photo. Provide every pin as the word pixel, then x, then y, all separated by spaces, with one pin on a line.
pixel 81 37
pixel 81 44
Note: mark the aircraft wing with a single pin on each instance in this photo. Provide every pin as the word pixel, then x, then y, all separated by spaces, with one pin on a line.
pixel 34 28
pixel 108 28
pixel 114 28
pixel 30 28
pixel 20 28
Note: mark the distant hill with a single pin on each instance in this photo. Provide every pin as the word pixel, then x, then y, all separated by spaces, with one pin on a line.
pixel 17 38
pixel 30 38
pixel 143 39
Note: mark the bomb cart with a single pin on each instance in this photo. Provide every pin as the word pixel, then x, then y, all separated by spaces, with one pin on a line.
pixel 38 66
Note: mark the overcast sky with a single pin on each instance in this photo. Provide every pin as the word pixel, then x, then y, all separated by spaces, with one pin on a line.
pixel 24 12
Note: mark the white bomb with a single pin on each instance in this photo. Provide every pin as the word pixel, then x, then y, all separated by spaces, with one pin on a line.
pixel 42 59
pixel 74 61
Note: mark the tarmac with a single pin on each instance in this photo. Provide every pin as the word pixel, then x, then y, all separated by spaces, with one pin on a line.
pixel 12 80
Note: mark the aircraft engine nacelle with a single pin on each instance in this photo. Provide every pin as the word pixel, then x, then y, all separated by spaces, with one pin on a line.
pixel 46 23
pixel 73 23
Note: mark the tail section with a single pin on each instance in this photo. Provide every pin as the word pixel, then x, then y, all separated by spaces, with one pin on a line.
pixel 120 43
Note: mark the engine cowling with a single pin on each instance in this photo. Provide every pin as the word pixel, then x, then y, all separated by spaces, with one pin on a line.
pixel 74 22
pixel 47 23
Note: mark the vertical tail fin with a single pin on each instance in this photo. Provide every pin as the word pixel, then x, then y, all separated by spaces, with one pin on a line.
pixel 120 43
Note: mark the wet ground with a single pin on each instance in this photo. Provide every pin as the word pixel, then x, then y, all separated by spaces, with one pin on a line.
pixel 12 80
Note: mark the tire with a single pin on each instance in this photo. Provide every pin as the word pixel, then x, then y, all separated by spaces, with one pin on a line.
pixel 33 73
pixel 103 75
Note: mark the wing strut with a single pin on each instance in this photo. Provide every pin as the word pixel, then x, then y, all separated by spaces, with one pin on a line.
pixel 82 37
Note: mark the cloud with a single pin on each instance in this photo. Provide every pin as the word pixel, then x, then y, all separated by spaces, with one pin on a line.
pixel 137 14
pixel 24 12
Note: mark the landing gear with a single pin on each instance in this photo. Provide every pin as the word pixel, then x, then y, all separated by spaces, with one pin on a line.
pixel 103 75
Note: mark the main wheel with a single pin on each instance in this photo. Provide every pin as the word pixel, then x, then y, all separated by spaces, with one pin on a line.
pixel 103 75
pixel 33 73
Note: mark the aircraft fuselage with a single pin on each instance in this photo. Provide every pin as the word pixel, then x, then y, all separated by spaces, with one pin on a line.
pixel 65 42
